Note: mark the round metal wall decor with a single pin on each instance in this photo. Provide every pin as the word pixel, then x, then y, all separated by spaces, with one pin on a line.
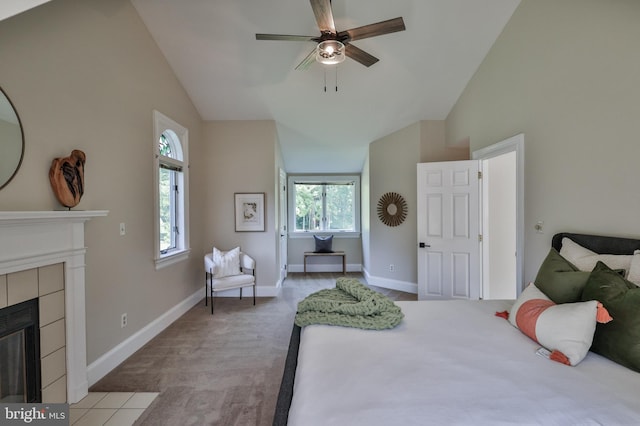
pixel 392 209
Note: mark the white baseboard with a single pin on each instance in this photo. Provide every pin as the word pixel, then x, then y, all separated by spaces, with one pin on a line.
pixel 325 267
pixel 407 287
pixel 107 362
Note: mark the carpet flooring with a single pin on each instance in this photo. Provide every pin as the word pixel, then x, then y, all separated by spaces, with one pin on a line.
pixel 221 369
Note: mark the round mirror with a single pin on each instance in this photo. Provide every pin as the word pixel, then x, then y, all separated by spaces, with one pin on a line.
pixel 11 140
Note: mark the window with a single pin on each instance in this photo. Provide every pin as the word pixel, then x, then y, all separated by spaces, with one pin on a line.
pixel 171 177
pixel 170 174
pixel 324 204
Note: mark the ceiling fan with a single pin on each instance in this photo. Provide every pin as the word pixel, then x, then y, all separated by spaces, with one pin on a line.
pixel 333 46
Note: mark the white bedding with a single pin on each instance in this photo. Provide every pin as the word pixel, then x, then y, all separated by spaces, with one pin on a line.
pixel 452 362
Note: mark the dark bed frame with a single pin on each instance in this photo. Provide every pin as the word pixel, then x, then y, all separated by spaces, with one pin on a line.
pixel 597 243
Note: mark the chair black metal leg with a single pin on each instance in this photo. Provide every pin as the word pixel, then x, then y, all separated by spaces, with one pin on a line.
pixel 240 293
pixel 205 288
pixel 211 289
pixel 254 294
pixel 212 299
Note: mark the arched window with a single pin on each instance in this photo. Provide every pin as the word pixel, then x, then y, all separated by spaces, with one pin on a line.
pixel 171 177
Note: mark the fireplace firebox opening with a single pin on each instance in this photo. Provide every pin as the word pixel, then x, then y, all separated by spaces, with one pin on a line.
pixel 20 353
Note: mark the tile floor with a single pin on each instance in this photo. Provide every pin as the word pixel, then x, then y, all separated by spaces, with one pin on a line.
pixel 110 408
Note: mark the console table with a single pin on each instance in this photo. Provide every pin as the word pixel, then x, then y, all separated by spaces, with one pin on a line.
pixel 333 253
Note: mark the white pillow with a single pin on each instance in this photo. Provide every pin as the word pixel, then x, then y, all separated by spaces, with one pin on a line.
pixel 634 269
pixel 585 259
pixel 226 263
pixel 566 330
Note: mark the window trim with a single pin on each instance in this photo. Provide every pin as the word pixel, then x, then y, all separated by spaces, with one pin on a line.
pixel 162 123
pixel 317 179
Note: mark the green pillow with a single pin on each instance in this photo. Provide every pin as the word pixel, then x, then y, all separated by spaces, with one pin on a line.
pixel 618 340
pixel 560 280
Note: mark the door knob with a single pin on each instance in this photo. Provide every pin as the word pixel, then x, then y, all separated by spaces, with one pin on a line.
pixel 423 245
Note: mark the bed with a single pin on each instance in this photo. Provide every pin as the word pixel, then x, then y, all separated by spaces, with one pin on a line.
pixel 452 362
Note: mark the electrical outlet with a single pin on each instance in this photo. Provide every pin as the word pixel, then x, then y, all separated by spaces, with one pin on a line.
pixel 392 268
pixel 123 230
pixel 123 321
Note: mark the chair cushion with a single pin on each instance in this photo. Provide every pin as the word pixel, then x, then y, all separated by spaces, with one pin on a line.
pixel 232 281
pixel 227 263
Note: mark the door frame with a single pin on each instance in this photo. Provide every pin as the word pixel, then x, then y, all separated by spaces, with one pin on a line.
pixel 514 143
pixel 282 226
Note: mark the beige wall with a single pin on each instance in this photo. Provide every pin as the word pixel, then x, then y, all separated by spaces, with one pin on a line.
pixel 392 162
pixel 87 75
pixel 564 73
pixel 434 147
pixel 240 157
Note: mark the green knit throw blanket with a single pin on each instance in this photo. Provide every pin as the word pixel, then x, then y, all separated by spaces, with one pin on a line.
pixel 350 304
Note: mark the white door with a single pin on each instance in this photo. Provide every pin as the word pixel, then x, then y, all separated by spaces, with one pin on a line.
pixel 448 230
pixel 283 225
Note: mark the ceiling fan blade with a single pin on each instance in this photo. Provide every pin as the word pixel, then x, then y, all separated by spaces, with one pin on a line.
pixel 372 30
pixel 284 37
pixel 306 62
pixel 360 55
pixel 324 15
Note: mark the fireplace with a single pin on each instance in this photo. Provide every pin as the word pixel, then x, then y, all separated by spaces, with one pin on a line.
pixel 42 257
pixel 20 353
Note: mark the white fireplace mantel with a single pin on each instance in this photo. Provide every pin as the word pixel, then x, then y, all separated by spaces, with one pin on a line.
pixel 32 239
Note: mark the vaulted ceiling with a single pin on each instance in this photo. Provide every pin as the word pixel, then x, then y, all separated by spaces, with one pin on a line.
pixel 229 75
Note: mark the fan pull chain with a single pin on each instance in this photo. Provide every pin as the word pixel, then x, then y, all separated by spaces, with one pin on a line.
pixel 325 80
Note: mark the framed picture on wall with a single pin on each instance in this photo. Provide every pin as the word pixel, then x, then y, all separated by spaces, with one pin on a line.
pixel 249 211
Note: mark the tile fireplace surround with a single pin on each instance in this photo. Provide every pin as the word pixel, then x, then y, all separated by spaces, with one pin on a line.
pixel 36 239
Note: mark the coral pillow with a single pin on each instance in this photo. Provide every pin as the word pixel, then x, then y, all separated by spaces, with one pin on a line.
pixel 226 263
pixel 566 330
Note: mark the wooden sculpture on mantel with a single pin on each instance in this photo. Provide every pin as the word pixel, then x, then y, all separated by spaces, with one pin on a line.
pixel 67 178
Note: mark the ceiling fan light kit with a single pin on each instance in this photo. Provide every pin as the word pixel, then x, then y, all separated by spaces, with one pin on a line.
pixel 333 46
pixel 330 52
